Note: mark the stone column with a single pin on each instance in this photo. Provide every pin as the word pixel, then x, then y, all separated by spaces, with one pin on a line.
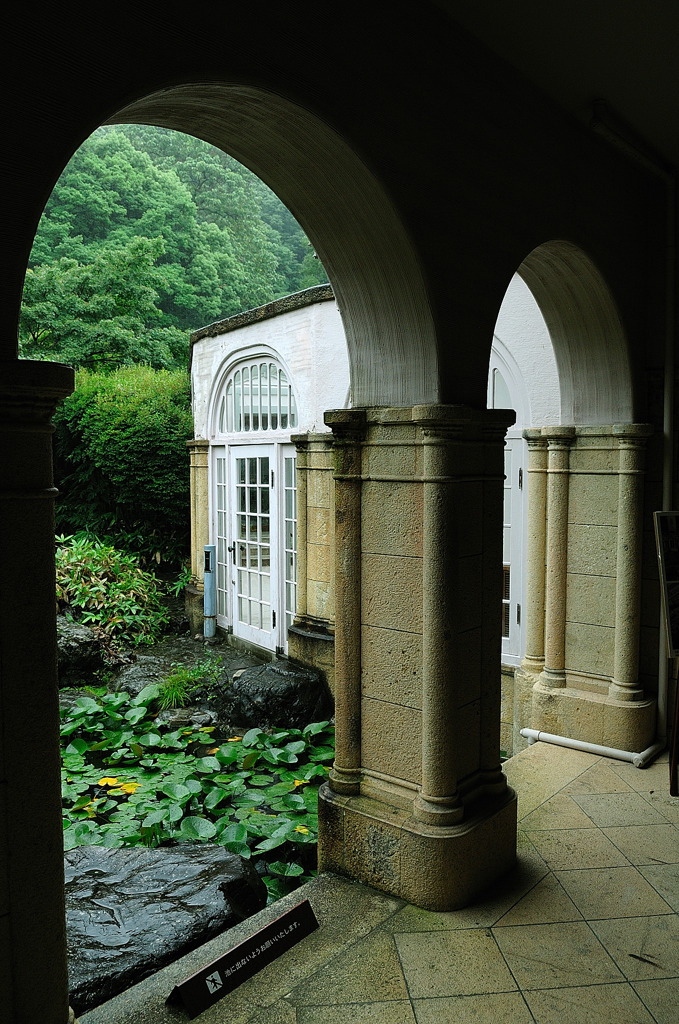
pixel 200 524
pixel 560 439
pixel 33 974
pixel 348 427
pixel 631 444
pixel 437 802
pixel 534 660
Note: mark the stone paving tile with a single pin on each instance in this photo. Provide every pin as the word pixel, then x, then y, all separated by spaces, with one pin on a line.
pixel 546 903
pixel 642 947
pixel 665 880
pixel 399 1012
pixel 600 893
pixel 664 804
pixel 279 1012
pixel 452 963
pixel 537 774
pixel 646 844
pixel 600 778
pixel 609 809
pixel 592 1004
pixel 559 812
pixel 661 998
pixel 553 955
pixel 655 777
pixel 368 970
pixel 577 848
pixel 499 1008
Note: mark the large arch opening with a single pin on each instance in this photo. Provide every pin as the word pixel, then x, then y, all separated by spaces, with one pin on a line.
pixel 560 359
pixel 344 211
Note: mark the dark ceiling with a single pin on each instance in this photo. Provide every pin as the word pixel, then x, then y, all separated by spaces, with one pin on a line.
pixel 623 51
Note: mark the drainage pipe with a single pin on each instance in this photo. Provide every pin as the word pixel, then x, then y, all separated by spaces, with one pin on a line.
pixel 639 760
pixel 209 591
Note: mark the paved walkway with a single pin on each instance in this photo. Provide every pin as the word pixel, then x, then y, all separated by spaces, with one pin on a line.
pixel 584 931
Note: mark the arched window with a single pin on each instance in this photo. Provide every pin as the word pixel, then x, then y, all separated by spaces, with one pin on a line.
pixel 258 397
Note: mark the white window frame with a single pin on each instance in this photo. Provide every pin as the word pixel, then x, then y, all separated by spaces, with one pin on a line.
pixel 227 445
pixel 514 504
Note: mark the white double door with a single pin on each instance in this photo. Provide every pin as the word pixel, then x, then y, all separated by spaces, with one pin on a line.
pixel 255 527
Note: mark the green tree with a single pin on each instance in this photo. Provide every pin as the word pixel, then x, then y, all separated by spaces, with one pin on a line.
pixel 101 314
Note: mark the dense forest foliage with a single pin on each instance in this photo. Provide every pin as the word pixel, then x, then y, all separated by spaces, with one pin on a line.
pixel 148 235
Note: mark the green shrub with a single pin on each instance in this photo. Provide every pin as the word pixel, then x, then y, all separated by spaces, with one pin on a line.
pixel 122 462
pixel 100 586
pixel 177 688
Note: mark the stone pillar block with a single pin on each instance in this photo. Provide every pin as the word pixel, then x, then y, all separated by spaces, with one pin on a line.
pixel 417 784
pixel 32 929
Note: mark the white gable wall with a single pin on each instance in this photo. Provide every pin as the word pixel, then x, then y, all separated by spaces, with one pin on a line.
pixel 310 344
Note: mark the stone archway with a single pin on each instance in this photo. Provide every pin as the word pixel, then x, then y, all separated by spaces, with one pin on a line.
pixel 384 304
pixel 343 209
pixel 586 331
pixel 579 677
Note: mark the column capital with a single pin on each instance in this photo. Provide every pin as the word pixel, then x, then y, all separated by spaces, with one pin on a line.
pixel 347 425
pixel 462 421
pixel 633 431
pixel 30 389
pixel 535 438
pixel 558 437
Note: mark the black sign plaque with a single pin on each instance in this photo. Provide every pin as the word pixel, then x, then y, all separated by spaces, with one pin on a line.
pixel 227 972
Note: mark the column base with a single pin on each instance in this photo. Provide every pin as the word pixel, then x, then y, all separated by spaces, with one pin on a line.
pixel 440 812
pixel 434 867
pixel 594 717
pixel 345 781
pixel 620 691
pixel 552 679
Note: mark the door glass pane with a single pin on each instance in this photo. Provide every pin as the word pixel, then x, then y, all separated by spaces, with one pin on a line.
pixel 222 535
pixel 254 579
pixel 290 540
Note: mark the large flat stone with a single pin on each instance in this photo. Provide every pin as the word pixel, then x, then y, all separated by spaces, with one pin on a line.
pixel 130 911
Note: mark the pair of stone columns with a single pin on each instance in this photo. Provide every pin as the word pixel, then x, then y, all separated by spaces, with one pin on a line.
pixel 418 540
pixel 547 556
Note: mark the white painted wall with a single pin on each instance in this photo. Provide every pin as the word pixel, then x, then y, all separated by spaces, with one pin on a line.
pixel 522 332
pixel 310 344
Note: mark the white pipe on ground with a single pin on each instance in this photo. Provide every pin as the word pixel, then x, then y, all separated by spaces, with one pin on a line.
pixel 639 760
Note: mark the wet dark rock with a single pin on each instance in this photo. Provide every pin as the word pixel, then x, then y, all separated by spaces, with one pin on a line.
pixel 154 664
pixel 146 668
pixel 276 694
pixel 130 911
pixel 80 652
pixel 185 718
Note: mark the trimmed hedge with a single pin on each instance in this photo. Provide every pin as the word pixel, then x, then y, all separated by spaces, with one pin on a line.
pixel 121 460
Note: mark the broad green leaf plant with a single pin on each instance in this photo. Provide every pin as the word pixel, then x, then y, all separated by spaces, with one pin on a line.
pixel 129 780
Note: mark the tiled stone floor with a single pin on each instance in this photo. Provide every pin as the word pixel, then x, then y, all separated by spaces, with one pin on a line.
pixel 584 930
